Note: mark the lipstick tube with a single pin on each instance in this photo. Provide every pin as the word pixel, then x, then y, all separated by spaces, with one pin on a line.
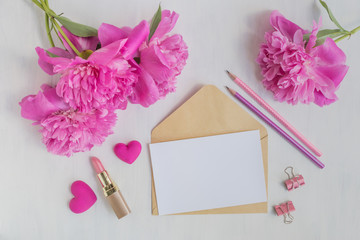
pixel 111 190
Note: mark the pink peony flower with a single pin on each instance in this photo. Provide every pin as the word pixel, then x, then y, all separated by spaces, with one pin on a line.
pixel 295 71
pixel 71 131
pixel 145 90
pixel 104 80
pixel 65 130
pixel 88 84
pixel 161 59
pixel 164 57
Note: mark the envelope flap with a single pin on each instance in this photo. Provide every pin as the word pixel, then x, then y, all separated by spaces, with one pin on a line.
pixel 208 112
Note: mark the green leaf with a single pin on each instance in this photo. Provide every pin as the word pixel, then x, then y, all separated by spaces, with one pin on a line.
pixel 306 37
pixel 77 29
pixel 51 54
pixel 323 34
pixel 331 33
pixel 331 15
pixel 155 22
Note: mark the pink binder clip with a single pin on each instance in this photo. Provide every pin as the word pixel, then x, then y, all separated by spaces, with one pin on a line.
pixel 284 209
pixel 294 181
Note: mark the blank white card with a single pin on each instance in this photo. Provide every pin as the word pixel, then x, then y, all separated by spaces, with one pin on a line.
pixel 208 172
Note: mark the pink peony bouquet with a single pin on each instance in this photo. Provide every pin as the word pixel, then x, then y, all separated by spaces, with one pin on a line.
pixel 302 66
pixel 100 71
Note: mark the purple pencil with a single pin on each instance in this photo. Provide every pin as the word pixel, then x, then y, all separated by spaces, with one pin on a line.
pixel 276 127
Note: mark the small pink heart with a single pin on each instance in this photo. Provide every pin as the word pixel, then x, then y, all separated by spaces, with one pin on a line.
pixel 128 153
pixel 84 197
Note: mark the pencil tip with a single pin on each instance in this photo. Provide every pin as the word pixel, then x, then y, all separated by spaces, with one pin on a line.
pixel 230 90
pixel 232 76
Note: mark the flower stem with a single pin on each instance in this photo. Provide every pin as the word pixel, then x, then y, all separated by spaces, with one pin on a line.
pixel 46 9
pixel 48 31
pixel 38 4
pixel 50 15
pixel 348 34
pixel 65 37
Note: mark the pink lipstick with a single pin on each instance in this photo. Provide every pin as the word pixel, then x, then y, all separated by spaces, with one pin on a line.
pixel 111 191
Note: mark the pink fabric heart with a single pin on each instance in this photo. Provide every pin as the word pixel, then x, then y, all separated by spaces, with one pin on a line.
pixel 128 153
pixel 84 197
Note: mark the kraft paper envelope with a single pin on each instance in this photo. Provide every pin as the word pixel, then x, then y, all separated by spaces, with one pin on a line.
pixel 210 112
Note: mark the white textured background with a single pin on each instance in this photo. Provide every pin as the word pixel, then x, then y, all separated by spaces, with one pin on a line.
pixel 35 185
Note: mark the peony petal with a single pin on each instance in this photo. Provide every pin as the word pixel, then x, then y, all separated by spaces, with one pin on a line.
pixel 46 102
pixel 335 73
pixel 155 63
pixel 167 23
pixel 286 27
pixel 312 38
pixel 135 39
pixel 80 43
pixel 106 54
pixel 47 63
pixel 109 33
pixel 50 94
pixel 329 53
pixel 321 100
pixel 60 52
pixel 63 66
pixel 298 37
pixel 119 65
pixel 145 90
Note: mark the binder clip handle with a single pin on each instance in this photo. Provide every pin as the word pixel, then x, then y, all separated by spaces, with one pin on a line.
pixel 294 181
pixel 288 218
pixel 284 210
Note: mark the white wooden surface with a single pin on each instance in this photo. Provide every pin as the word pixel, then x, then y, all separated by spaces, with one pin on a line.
pixel 35 185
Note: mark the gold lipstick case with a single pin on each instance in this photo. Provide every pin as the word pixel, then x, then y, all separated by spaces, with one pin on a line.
pixel 113 195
